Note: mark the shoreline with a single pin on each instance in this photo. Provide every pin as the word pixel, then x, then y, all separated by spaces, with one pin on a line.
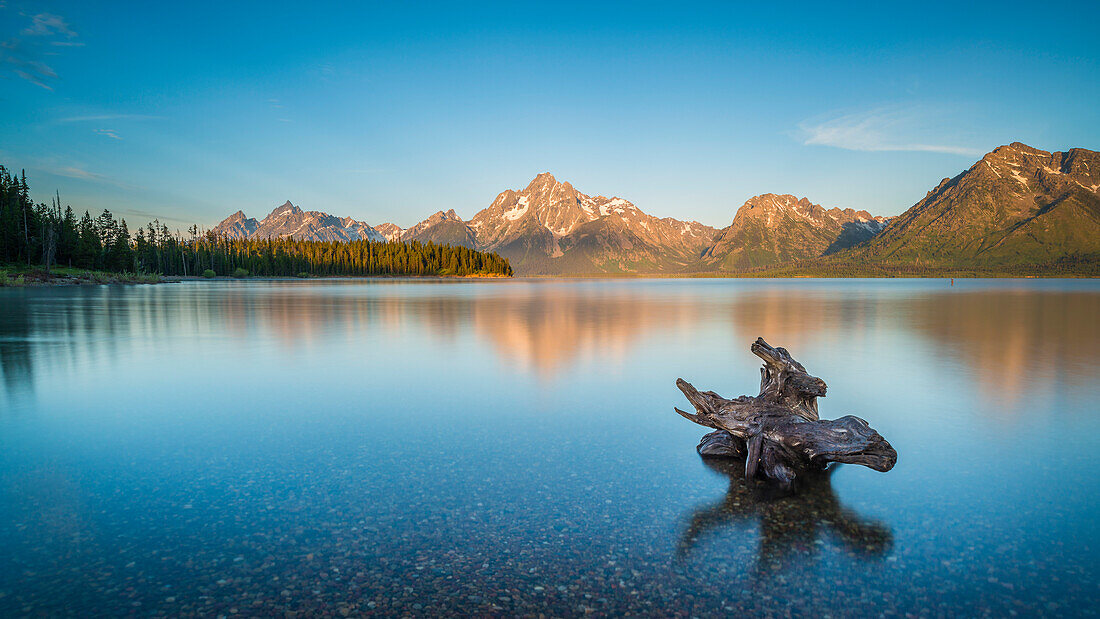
pixel 23 277
pixel 35 277
pixel 66 276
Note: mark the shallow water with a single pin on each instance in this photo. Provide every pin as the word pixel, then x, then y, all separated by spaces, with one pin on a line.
pixel 509 446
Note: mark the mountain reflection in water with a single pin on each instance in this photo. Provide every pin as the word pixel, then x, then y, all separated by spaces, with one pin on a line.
pixel 995 334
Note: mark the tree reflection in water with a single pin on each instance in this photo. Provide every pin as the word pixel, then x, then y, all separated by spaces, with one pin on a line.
pixel 791 523
pixel 16 366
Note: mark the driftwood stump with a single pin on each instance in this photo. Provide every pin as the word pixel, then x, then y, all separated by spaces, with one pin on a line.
pixel 778 432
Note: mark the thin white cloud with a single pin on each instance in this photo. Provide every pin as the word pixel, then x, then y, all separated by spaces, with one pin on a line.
pixel 80 173
pixel 882 129
pixel 21 54
pixel 101 117
pixel 137 215
pixel 47 24
pixel 111 133
pixel 35 79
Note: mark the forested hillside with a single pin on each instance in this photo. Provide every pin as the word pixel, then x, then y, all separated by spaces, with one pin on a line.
pixel 46 234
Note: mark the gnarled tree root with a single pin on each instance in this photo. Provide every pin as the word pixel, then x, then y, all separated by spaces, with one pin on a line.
pixel 778 432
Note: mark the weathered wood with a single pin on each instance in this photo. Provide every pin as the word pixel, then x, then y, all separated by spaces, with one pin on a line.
pixel 778 432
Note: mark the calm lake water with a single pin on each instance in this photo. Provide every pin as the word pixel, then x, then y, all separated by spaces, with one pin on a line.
pixel 428 447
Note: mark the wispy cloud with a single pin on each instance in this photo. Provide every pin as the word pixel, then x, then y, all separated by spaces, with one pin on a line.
pixel 883 129
pixel 37 73
pixel 111 133
pixel 149 216
pixel 278 108
pixel 102 117
pixel 22 53
pixel 48 24
pixel 78 171
pixel 81 173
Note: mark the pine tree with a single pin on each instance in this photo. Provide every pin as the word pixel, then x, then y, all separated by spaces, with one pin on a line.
pixel 89 244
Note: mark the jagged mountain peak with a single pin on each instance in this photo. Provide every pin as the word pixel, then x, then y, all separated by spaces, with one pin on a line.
pixel 438 216
pixel 778 209
pixel 541 180
pixel 550 226
pixel 1015 153
pixel 433 219
pixel 390 231
pixel 547 202
pixel 443 227
pixel 545 186
pixel 284 208
pixel 778 201
pixel 1018 147
pixel 1020 169
pixel 237 226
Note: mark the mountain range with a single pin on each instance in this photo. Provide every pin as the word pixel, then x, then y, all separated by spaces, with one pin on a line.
pixel 1016 206
pixel 290 221
pixel 771 229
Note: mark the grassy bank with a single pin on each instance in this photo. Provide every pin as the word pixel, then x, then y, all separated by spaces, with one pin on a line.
pixel 23 275
pixel 15 275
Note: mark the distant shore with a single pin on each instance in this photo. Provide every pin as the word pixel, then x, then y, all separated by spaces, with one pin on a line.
pixel 840 270
pixel 15 276
pixel 22 276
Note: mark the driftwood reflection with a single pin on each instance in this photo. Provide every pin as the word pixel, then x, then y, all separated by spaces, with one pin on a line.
pixel 790 522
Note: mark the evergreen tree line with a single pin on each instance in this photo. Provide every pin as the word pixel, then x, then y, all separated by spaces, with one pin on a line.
pixel 47 235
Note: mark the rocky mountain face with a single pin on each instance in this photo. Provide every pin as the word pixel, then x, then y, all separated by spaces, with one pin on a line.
pixel 290 221
pixel 551 228
pixel 771 229
pixel 237 226
pixel 1017 205
pixel 443 229
pixel 390 232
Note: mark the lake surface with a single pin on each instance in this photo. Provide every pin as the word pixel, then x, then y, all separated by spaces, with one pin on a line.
pixel 503 447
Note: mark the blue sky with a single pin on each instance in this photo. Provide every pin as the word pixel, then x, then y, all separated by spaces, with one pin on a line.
pixel 191 111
